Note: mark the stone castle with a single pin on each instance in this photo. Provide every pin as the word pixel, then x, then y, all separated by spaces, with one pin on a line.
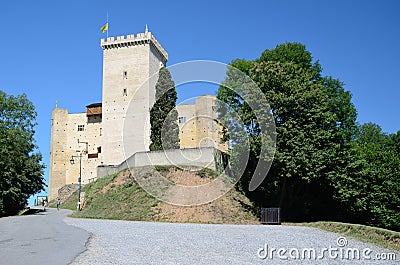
pixel 97 134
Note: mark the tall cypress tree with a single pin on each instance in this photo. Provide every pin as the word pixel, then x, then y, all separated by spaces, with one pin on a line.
pixel 163 114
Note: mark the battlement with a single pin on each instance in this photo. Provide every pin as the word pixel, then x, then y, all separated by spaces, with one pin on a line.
pixel 132 40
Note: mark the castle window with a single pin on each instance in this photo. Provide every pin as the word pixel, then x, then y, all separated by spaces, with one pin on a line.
pixel 182 120
pixel 93 155
pixel 81 128
pixel 125 92
pixel 101 131
pixel 125 74
pixel 99 149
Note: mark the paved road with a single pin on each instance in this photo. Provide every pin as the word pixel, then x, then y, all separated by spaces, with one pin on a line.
pixel 47 239
pixel 123 242
pixel 40 239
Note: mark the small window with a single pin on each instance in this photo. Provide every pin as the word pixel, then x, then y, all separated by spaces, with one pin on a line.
pixel 81 128
pixel 93 155
pixel 99 149
pixel 125 92
pixel 101 132
pixel 125 74
pixel 182 120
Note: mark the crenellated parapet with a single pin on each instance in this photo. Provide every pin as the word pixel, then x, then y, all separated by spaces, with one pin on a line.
pixel 132 40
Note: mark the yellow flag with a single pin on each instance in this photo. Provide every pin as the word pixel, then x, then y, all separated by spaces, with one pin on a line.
pixel 104 28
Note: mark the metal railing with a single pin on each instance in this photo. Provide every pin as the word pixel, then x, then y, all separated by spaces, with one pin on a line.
pixel 271 216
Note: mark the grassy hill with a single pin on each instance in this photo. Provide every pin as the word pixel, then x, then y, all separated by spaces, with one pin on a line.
pixel 120 197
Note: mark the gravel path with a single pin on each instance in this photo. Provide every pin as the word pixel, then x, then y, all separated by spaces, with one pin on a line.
pixel 124 242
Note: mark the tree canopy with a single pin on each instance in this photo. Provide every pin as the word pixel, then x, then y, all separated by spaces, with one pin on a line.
pixel 21 170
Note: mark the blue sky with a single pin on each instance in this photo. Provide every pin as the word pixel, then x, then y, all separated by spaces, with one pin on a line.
pixel 50 49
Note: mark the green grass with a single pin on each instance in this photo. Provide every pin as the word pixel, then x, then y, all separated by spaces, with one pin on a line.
pixel 207 173
pixel 72 202
pixel 107 200
pixel 378 236
pixel 163 170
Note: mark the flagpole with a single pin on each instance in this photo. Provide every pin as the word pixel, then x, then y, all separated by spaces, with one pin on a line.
pixel 108 26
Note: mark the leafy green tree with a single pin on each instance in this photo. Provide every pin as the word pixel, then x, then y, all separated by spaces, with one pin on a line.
pixel 315 123
pixel 305 130
pixel 377 189
pixel 21 170
pixel 163 114
pixel 293 52
pixel 394 142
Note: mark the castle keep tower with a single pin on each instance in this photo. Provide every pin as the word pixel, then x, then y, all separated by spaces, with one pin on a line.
pixel 127 63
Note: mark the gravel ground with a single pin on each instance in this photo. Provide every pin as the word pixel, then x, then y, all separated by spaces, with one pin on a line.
pixel 124 242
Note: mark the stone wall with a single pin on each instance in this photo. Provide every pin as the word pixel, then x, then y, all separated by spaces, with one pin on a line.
pixel 72 135
pixel 198 126
pixel 87 142
pixel 58 157
pixel 191 157
pixel 66 191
